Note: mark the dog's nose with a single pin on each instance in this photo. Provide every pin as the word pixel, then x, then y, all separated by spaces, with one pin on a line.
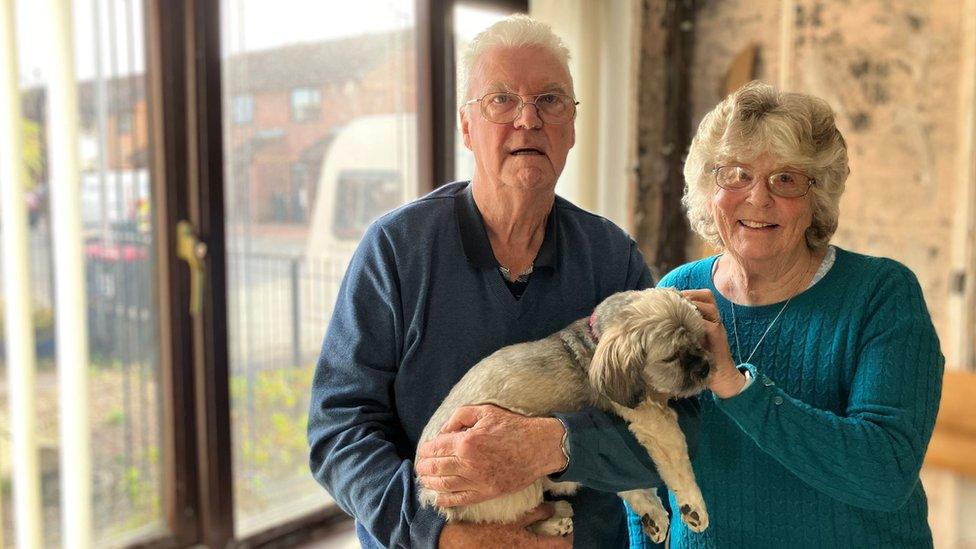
pixel 695 364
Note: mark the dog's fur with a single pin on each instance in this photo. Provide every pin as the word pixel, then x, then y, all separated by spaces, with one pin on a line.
pixel 649 349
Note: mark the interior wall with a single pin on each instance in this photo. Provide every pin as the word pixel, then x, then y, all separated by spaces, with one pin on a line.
pixel 599 172
pixel 891 71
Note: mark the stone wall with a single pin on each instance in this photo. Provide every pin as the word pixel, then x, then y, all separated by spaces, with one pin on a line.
pixel 890 70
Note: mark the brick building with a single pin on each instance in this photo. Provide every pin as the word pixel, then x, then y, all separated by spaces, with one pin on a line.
pixel 282 108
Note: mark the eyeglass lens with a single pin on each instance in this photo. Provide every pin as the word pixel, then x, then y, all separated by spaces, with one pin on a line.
pixel 553 108
pixel 786 184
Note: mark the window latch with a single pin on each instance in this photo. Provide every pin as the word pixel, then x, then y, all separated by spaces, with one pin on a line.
pixel 191 249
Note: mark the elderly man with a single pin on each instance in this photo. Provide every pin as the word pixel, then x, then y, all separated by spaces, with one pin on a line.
pixel 444 281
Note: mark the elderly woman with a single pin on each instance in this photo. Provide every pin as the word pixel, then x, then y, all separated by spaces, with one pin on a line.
pixel 828 367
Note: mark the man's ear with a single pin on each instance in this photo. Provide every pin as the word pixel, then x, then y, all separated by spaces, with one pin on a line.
pixel 465 125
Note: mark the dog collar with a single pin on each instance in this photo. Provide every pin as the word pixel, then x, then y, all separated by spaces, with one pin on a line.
pixel 591 329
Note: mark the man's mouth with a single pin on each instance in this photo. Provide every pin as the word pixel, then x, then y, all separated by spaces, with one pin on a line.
pixel 526 151
pixel 757 224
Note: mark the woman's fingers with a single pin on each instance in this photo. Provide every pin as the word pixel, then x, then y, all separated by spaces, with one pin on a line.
pixel 700 294
pixel 705 302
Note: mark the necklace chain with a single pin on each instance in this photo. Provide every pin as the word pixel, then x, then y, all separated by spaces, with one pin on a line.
pixel 735 328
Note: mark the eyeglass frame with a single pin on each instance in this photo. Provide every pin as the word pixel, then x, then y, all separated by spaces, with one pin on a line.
pixel 810 181
pixel 522 104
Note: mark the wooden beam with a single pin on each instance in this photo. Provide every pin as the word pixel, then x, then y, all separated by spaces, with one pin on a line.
pixel 664 131
pixel 953 443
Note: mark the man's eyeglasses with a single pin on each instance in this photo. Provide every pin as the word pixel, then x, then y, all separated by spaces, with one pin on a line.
pixel 505 107
pixel 785 184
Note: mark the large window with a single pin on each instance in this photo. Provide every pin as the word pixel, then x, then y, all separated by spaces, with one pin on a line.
pixel 242 109
pixel 231 155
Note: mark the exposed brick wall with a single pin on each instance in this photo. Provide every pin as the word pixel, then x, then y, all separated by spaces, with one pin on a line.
pixel 887 67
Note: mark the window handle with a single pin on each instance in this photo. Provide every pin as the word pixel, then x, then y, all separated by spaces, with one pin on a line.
pixel 191 249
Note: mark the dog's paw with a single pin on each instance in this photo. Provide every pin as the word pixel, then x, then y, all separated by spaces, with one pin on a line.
pixel 656 528
pixel 559 524
pixel 695 517
pixel 554 526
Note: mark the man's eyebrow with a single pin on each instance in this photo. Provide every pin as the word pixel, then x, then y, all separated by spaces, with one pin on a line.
pixel 555 87
pixel 493 87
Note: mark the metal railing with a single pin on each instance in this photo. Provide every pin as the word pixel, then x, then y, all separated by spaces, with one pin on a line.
pixel 280 305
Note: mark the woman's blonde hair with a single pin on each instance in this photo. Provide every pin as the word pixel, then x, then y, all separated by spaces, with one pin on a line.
pixel 797 129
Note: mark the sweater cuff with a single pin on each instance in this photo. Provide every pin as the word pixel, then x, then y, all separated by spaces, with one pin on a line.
pixel 754 402
pixel 574 424
pixel 425 529
pixel 750 376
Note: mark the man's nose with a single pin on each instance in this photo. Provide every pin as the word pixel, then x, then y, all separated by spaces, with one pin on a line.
pixel 528 117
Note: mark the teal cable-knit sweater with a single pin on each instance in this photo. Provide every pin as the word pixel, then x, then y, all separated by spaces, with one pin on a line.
pixel 824 448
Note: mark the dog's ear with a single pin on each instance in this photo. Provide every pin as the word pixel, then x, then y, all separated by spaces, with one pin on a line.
pixel 615 371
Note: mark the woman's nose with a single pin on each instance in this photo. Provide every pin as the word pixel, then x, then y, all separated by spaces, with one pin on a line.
pixel 759 194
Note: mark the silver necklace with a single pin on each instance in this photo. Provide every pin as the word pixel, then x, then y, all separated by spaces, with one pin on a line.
pixel 735 328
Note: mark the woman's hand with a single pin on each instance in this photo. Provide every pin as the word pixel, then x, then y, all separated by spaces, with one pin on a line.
pixel 486 451
pixel 726 380
pixel 464 535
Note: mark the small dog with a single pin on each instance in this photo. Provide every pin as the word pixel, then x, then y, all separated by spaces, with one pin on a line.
pixel 637 350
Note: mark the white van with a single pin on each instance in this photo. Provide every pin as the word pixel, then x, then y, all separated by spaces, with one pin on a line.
pixel 369 169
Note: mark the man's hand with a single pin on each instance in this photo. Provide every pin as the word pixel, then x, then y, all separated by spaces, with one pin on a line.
pixel 464 535
pixel 486 451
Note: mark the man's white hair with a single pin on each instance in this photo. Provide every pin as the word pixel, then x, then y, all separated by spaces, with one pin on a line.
pixel 515 31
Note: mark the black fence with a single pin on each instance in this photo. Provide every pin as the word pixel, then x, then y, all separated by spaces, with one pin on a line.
pixel 279 303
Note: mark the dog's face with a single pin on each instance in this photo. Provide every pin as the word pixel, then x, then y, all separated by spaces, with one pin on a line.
pixel 650 342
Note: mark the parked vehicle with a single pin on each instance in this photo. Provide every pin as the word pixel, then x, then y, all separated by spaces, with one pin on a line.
pixel 368 170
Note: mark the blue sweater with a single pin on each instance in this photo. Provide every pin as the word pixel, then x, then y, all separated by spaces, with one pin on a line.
pixel 417 308
pixel 824 448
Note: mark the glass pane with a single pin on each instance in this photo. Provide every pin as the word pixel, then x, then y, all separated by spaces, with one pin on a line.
pixel 469 20
pixel 116 206
pixel 326 146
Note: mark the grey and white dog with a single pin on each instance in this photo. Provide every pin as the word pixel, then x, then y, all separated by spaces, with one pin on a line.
pixel 637 350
